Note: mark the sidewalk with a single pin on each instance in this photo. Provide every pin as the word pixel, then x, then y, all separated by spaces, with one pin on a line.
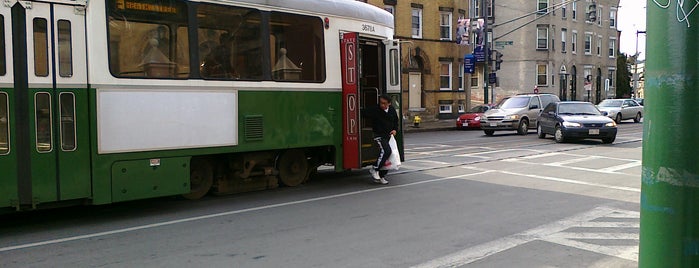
pixel 433 125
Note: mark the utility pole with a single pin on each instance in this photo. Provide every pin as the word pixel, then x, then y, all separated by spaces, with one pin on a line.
pixel 486 70
pixel 669 235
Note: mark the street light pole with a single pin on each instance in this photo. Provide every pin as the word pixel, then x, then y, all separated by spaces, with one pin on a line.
pixel 635 68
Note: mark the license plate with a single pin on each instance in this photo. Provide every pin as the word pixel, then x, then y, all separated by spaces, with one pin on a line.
pixel 493 124
pixel 464 124
pixel 594 132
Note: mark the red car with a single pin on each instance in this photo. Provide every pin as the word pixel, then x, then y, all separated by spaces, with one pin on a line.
pixel 472 118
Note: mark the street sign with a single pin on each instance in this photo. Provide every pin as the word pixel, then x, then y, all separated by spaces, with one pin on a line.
pixel 469 63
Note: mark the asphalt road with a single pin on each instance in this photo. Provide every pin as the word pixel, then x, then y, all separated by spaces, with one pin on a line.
pixel 461 199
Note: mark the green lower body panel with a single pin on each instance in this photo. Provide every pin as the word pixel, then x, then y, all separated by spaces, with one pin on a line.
pixel 146 178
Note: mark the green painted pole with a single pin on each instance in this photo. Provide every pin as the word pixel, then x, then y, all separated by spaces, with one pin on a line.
pixel 670 171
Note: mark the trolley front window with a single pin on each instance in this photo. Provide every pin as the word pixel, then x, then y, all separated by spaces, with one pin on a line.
pixel 4 124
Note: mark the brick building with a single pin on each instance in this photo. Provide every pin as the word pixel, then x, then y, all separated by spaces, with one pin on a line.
pixel 434 86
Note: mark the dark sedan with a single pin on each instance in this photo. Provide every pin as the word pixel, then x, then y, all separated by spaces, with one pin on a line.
pixel 568 120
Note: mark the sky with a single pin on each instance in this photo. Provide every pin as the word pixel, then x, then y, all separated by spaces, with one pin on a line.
pixel 632 17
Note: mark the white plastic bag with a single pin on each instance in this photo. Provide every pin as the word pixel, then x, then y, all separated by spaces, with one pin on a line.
pixel 393 161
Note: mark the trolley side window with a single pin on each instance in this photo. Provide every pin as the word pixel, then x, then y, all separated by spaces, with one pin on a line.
pixel 148 39
pixel 4 125
pixel 394 61
pixel 230 46
pixel 67 117
pixel 65 51
pixel 41 48
pixel 42 115
pixel 3 59
pixel 297 47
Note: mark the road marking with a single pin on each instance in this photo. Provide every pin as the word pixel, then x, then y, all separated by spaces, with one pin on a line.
pixel 562 164
pixel 622 166
pixel 430 161
pixel 484 250
pixel 227 213
pixel 621 250
pixel 496 151
pixel 561 180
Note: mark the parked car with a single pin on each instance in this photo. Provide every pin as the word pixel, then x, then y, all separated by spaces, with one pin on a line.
pixel 622 109
pixel 518 113
pixel 569 120
pixel 472 118
pixel 639 100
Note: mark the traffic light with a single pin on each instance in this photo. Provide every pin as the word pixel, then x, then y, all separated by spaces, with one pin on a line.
pixel 498 59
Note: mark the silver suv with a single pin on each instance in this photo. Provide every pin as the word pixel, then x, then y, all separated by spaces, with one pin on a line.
pixel 518 113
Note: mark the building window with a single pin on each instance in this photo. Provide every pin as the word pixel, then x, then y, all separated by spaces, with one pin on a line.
pixel 588 43
pixel 599 46
pixel 599 13
pixel 417 22
pixel 541 74
pixel 445 76
pixel 563 9
pixel 390 9
pixel 612 18
pixel 461 77
pixel 445 108
pixel 542 37
pixel 574 42
pixel 611 75
pixel 575 10
pixel 445 26
pixel 564 32
pixel 474 80
pixel 612 47
pixel 462 108
pixel 542 6
pixel 475 9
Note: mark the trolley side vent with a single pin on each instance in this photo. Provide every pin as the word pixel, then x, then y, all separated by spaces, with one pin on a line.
pixel 253 128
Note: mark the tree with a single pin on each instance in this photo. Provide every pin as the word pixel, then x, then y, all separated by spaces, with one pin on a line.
pixel 623 75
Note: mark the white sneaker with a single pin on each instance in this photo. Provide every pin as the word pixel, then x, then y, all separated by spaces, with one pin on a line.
pixel 382 181
pixel 375 174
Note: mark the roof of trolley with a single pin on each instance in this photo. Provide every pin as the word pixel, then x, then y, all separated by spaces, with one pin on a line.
pixel 341 8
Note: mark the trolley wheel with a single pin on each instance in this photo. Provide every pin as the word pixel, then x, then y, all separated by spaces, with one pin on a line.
pixel 293 167
pixel 201 177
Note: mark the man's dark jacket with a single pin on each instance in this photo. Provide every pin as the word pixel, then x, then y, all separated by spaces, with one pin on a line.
pixel 382 123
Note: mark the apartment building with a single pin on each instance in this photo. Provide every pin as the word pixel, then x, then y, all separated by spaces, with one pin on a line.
pixel 564 47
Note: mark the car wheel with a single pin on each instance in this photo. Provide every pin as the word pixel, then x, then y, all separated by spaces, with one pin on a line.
pixel 523 127
pixel 608 140
pixel 558 135
pixel 618 118
pixel 489 132
pixel 637 119
pixel 540 132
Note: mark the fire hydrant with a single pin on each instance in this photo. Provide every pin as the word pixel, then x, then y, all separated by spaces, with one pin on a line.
pixel 416 121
